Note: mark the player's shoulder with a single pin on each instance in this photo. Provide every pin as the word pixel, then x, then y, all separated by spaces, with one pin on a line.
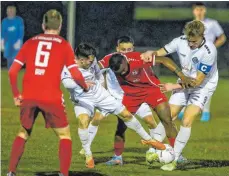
pixel 209 48
pixel 182 38
pixel 108 56
pixel 210 20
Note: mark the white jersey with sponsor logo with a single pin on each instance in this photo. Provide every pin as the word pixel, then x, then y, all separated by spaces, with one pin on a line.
pixel 93 73
pixel 212 29
pixel 202 59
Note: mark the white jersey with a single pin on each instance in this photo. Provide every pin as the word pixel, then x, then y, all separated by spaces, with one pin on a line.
pixel 93 73
pixel 202 59
pixel 113 85
pixel 212 29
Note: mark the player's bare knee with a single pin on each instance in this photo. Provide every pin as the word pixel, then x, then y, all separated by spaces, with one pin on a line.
pixel 23 133
pixel 151 123
pixel 84 120
pixel 63 133
pixel 126 115
pixel 187 122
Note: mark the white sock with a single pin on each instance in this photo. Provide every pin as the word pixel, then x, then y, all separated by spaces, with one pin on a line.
pixel 135 125
pixel 207 106
pixel 92 132
pixel 181 140
pixel 158 133
pixel 84 138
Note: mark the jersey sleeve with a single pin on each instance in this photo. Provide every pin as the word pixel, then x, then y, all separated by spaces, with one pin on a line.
pixel 218 29
pixel 207 61
pixel 21 56
pixel 105 61
pixel 172 46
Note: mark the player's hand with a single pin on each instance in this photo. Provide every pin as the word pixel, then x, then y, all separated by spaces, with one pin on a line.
pixel 17 45
pixel 167 87
pixel 148 56
pixel 18 101
pixel 89 85
pixel 187 82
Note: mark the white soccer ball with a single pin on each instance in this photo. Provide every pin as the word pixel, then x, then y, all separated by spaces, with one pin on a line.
pixel 166 156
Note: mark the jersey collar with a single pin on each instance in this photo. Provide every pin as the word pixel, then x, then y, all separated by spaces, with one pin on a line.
pixel 203 42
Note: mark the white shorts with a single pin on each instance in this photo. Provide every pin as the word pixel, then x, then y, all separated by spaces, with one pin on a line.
pixel 143 111
pixel 104 102
pixel 198 97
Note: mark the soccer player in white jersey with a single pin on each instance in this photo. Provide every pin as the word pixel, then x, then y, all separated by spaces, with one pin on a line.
pixel 198 58
pixel 215 34
pixel 125 44
pixel 97 97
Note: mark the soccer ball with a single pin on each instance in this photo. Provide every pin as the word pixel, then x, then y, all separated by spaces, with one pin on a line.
pixel 166 156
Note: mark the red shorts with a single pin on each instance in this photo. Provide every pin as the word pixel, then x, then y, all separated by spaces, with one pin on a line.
pixel 152 96
pixel 54 114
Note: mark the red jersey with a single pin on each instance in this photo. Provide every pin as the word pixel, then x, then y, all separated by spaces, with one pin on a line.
pixel 140 74
pixel 45 56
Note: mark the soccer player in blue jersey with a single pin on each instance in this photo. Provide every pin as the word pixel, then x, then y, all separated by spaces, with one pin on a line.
pixel 11 35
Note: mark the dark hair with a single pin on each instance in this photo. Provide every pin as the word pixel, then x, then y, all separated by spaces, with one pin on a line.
pixel 116 61
pixel 125 39
pixel 198 4
pixel 85 50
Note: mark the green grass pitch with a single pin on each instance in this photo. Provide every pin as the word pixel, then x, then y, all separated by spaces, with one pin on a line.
pixel 208 148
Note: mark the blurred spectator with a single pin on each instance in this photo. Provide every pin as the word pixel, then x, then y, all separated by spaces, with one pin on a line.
pixel 11 35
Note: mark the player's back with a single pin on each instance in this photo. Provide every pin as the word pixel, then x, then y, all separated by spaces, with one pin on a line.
pixel 44 58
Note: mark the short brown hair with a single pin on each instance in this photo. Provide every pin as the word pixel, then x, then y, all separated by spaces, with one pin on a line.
pixel 52 19
pixel 198 4
pixel 194 29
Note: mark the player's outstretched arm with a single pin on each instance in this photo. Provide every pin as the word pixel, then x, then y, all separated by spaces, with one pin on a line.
pixel 167 87
pixel 148 55
pixel 167 62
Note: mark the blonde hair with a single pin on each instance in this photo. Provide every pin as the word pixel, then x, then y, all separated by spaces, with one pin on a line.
pixel 52 19
pixel 194 29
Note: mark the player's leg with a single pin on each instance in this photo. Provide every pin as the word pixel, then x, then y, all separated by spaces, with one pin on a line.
pixel 28 115
pixel 132 123
pixel 119 144
pixel 65 148
pixel 205 117
pixel 55 117
pixel 84 116
pixel 196 101
pixel 93 126
pixel 190 113
pixel 110 105
pixel 164 114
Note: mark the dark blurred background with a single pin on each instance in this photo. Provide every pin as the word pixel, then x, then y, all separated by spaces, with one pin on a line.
pixel 151 24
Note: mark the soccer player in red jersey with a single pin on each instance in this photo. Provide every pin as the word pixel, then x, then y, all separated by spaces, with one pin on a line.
pixel 140 85
pixel 45 56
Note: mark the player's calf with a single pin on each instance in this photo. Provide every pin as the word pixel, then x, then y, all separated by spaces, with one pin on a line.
pixel 132 123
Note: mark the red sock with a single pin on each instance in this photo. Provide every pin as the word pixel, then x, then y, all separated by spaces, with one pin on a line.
pixel 65 155
pixel 118 148
pixel 171 141
pixel 16 153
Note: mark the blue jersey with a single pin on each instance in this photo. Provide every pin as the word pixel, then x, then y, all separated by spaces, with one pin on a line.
pixel 12 30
